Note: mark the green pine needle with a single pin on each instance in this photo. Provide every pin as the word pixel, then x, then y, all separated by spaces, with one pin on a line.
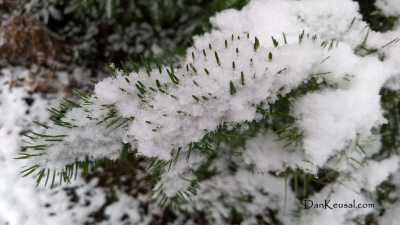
pixel 196 98
pixel 256 44
pixel 135 68
pixel 217 58
pixel 274 42
pixel 284 38
pixel 173 78
pixel 110 69
pixel 301 36
pixel 158 66
pixel 40 124
pixel 158 83
pixel 73 104
pixel 193 68
pixel 232 88
pixel 125 69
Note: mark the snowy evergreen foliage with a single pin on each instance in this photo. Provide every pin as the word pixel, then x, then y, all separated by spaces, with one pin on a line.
pixel 279 91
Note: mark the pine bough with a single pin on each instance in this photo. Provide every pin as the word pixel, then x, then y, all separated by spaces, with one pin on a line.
pixel 290 87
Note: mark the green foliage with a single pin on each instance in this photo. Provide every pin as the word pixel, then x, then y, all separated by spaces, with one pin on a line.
pixel 100 31
pixel 389 132
pixel 375 17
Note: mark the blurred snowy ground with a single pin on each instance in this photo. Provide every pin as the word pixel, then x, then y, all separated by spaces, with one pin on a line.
pixel 21 201
pixel 24 97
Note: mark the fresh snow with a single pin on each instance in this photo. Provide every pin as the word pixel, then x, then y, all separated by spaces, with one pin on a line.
pixel 389 7
pixel 336 122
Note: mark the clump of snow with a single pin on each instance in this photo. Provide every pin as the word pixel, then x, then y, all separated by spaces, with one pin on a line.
pixel 389 7
pixel 240 190
pixel 374 173
pixel 327 128
pixel 326 19
pixel 268 154
pixel 185 112
pixel 125 206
